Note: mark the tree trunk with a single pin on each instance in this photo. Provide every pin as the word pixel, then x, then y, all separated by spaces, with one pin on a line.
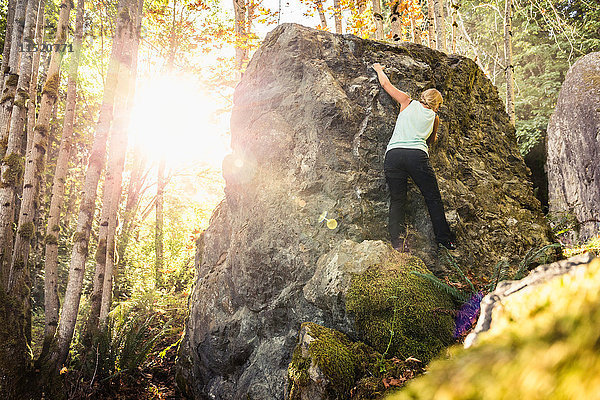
pixel 431 24
pixel 337 16
pixel 415 31
pixel 396 21
pixel 10 17
pixel 378 19
pixel 51 301
pixel 159 235
pixel 136 183
pixel 440 25
pixel 11 73
pixel 33 84
pixel 241 47
pixel 15 335
pixel 11 79
pixel 319 4
pixel 12 166
pixel 455 6
pixel 79 253
pixel 119 143
pixel 508 55
pixel 34 163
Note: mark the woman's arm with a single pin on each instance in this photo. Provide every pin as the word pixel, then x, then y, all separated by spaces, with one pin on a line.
pixel 392 90
pixel 433 137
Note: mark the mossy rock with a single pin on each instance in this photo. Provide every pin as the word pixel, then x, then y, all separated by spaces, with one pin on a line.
pixel 326 364
pixel 399 313
pixel 543 344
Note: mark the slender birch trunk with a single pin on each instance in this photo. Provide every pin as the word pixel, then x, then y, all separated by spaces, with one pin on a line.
pixel 68 315
pixel 11 73
pixel 319 4
pixel 124 104
pixel 378 19
pixel 337 16
pixel 11 78
pixel 241 48
pixel 33 84
pixel 35 160
pixel 510 68
pixel 12 166
pixel 440 25
pixel 10 17
pixel 455 6
pixel 15 310
pixel 159 234
pixel 431 24
pixel 396 21
pixel 51 301
pixel 415 31
pixel 136 183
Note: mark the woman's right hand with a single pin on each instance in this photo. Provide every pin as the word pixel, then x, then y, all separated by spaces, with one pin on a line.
pixel 377 67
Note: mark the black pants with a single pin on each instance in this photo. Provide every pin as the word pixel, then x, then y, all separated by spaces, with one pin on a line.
pixel 399 164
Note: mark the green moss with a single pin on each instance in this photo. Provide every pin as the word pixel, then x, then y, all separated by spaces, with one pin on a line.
pixel 21 98
pixel 13 175
pixel 297 374
pixel 27 230
pixel 78 236
pixel 51 86
pixel 543 344
pixel 4 144
pixel 345 365
pixel 7 97
pixel 334 355
pixel 12 80
pixel 51 239
pixel 101 252
pixel 401 313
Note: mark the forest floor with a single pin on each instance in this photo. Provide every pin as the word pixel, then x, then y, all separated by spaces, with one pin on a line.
pixel 155 380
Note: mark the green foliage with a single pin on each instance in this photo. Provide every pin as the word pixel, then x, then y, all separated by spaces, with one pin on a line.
pixel 443 286
pixel 531 257
pixel 548 37
pixel 389 298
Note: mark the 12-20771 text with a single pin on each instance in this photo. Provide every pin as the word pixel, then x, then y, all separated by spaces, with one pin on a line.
pixel 46 47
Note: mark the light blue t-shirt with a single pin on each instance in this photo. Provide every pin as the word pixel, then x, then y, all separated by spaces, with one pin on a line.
pixel 413 126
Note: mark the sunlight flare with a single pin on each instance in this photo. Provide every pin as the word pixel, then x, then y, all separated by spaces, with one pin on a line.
pixel 175 117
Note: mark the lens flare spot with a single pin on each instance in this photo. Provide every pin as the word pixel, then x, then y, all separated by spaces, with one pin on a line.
pixel 238 163
pixel 332 223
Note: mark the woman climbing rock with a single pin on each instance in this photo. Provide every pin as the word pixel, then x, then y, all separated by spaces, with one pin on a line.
pixel 407 154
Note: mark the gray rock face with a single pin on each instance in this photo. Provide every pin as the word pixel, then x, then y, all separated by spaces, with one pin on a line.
pixel 309 129
pixel 573 164
pixel 538 276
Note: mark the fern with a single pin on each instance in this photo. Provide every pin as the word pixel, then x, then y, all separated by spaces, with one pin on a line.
pixel 500 274
pixel 454 265
pixel 531 256
pixel 443 286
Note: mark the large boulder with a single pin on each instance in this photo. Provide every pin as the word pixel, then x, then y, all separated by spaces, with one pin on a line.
pixel 309 128
pixel 573 163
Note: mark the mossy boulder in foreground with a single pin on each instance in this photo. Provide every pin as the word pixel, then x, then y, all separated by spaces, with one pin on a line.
pixel 543 344
pixel 326 364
